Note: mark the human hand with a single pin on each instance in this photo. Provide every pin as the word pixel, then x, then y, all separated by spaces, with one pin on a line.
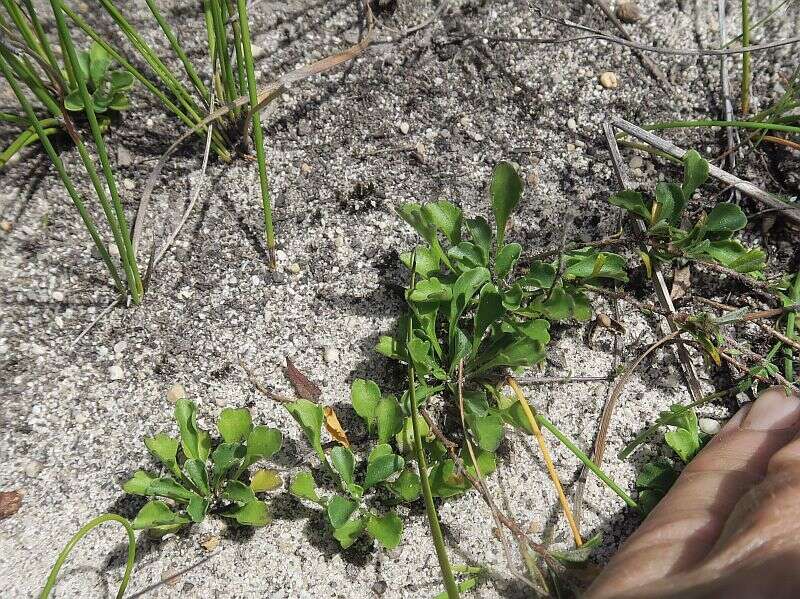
pixel 730 525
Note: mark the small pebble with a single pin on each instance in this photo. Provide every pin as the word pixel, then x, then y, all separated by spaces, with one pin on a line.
pixel 120 346
pixel 294 268
pixel 258 51
pixel 404 127
pixel 330 355
pixel 305 168
pixel 115 373
pixel 637 162
pixel 379 587
pixel 609 80
pixel 628 12
pixel 33 468
pixel 124 157
pixel 709 426
pixel 175 393
pixel 572 125
pixel 81 418
pixel 128 184
pixel 6 226
pixel 58 296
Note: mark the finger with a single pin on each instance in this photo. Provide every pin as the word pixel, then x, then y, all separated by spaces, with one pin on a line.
pixel 683 528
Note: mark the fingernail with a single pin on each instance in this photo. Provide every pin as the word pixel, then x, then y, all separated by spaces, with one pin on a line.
pixel 773 410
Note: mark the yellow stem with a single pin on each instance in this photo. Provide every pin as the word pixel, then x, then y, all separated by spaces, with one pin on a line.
pixel 547 460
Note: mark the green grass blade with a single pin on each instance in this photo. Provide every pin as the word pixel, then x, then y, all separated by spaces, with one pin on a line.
pixel 218 143
pixel 791 322
pixel 226 71
pixel 178 49
pixel 258 134
pixel 714 123
pixel 44 43
pixel 62 173
pixel 120 227
pixel 746 75
pixel 27 137
pixel 237 44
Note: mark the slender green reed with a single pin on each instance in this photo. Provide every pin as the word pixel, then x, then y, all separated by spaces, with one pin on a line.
pixel 258 135
pixel 119 224
pixel 86 529
pixel 791 321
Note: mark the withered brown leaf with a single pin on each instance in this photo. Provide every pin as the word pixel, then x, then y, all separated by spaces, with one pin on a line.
pixel 302 386
pixel 10 502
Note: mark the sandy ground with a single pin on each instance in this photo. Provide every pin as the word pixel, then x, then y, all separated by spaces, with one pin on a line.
pixel 339 163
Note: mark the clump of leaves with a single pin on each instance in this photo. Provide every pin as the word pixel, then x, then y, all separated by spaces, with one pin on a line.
pixel 685 439
pixel 202 478
pixel 108 86
pixel 385 479
pixel 709 238
pixel 469 304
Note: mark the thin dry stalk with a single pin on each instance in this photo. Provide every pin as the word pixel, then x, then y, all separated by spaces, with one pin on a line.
pixel 562 498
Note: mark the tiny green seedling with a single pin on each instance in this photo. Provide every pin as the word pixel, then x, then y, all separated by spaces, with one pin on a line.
pixel 201 480
pixel 708 239
pixel 108 86
pixel 385 479
pixel 686 440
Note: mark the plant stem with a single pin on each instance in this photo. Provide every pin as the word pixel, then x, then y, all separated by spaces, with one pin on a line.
pixel 716 123
pixel 585 459
pixel 745 57
pixel 562 498
pixel 26 137
pixel 422 464
pixel 258 134
pixel 788 360
pixel 85 529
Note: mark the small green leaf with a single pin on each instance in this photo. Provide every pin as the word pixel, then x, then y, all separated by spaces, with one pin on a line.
pixel 464 289
pixel 197 508
pixel 725 217
pixel 475 403
pixel 695 173
pixel 379 451
pixel 387 530
pixel 590 265
pixel 83 63
pixel 156 513
pixel 238 492
pixel 344 463
pixel 541 275
pixel 99 60
pixel 684 443
pixel 255 513
pixel 505 191
pixel 487 430
pixel 632 201
pixel 481 236
pixel 671 202
pixel 506 259
pixel 365 396
pixel 265 480
pixel 167 487
pixel 446 217
pixel 389 418
pixel 196 442
pixel 235 424
pixel 339 510
pixel 197 473
pixel 74 101
pixel 224 457
pixel 558 306
pixel 467 255
pixel 164 448
pixel 303 486
pixel 121 80
pixel 445 482
pixel 430 290
pixel 407 486
pixel 349 532
pixel 656 475
pixel 426 261
pixel 139 484
pixel 310 417
pixel 381 468
pixel 263 442
pixel 391 348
